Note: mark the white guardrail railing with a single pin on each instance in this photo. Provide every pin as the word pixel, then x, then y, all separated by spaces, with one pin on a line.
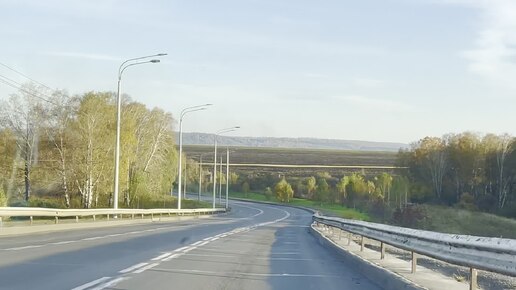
pixel 483 253
pixel 32 212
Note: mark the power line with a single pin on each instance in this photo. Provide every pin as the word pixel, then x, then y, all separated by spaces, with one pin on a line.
pixel 6 80
pixel 29 78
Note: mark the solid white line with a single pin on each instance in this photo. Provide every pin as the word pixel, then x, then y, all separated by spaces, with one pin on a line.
pixel 204 243
pixel 145 268
pixel 92 283
pixel 133 267
pixel 172 257
pixel 63 242
pixel 196 243
pixel 92 238
pixel 180 249
pixel 161 256
pixel 23 248
pixel 110 283
pixel 189 249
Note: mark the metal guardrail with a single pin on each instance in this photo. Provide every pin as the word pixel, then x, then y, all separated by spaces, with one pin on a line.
pixel 483 253
pixel 32 212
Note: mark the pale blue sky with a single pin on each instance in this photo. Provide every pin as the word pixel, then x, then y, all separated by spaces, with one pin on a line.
pixel 382 70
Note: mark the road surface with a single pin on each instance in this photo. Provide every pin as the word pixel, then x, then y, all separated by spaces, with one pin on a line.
pixel 255 246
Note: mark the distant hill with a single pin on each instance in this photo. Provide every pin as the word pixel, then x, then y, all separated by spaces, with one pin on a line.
pixel 307 143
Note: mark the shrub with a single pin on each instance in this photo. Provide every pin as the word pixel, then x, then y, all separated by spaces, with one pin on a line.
pixel 409 216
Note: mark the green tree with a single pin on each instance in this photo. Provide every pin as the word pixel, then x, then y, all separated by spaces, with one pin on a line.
pixel 311 186
pixel 323 190
pixel 341 188
pixel 383 183
pixel 283 191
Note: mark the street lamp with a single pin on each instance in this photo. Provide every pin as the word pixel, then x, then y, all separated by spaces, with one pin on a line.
pixel 226 130
pixel 121 69
pixel 183 114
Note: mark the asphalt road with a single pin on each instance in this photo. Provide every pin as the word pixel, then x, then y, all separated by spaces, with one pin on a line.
pixel 255 246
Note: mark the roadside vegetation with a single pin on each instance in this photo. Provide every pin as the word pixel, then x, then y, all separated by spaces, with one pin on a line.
pixel 60 154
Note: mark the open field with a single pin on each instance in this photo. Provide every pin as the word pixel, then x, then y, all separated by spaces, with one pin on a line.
pixel 283 161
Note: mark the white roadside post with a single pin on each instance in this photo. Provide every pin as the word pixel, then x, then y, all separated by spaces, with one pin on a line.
pixel 200 177
pixel 121 69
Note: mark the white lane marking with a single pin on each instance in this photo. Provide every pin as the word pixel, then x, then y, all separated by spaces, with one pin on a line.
pixel 210 255
pixel 203 243
pixel 133 267
pixel 237 274
pixel 110 283
pixel 172 257
pixel 145 268
pixel 23 248
pixel 63 242
pixel 260 212
pixel 92 283
pixel 180 249
pixel 92 238
pixel 161 256
pixel 196 243
pixel 116 235
pixel 189 249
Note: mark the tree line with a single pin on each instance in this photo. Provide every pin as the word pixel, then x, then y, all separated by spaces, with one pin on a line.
pixel 467 169
pixel 63 146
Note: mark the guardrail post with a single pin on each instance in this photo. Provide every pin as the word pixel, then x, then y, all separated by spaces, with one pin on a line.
pixel 142 215
pixel 76 218
pixel 93 217
pixel 31 220
pixel 382 250
pixel 473 279
pixel 107 216
pixel 340 234
pixel 132 216
pixel 414 262
pixel 57 220
pixel 152 216
pixel 362 242
pixel 349 238
pixel 1 222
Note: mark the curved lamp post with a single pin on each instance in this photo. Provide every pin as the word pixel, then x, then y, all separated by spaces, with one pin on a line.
pixel 121 69
pixel 226 130
pixel 183 114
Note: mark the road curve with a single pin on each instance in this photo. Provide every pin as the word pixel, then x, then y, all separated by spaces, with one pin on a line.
pixel 255 246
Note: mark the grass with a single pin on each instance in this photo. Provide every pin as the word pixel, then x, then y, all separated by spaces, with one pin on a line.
pixel 459 221
pixel 438 218
pixel 329 209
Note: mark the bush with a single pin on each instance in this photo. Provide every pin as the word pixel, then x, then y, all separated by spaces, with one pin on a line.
pixel 268 193
pixel 409 216
pixel 467 201
pixel 45 202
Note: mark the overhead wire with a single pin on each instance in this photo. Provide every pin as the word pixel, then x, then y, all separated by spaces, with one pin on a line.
pixel 25 76
pixel 18 86
pixel 14 84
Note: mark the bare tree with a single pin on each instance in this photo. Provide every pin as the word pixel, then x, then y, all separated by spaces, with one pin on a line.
pixel 22 113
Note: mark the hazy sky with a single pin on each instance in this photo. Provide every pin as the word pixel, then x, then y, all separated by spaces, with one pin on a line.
pixel 383 70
